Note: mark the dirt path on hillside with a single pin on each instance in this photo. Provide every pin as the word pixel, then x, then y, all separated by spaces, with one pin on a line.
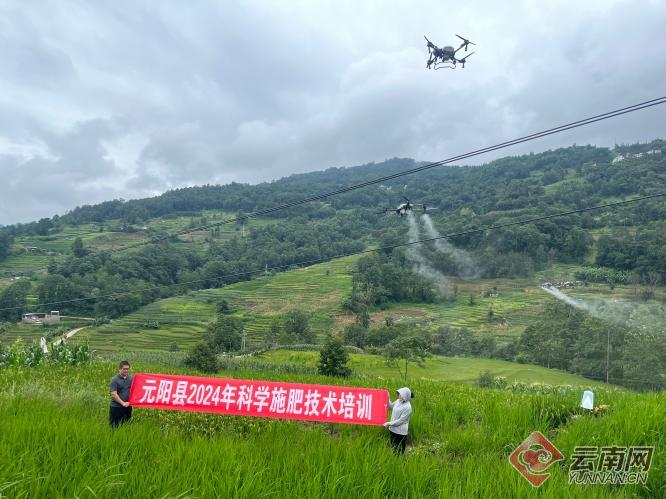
pixel 69 334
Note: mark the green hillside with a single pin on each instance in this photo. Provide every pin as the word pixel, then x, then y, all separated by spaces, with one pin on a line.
pixel 318 289
pixel 111 235
pixel 163 296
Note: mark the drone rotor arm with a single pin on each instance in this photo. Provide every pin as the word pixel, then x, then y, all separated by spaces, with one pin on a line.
pixel 464 59
pixel 465 40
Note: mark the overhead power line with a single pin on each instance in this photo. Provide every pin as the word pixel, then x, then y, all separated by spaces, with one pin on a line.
pixel 477 152
pixel 544 133
pixel 353 253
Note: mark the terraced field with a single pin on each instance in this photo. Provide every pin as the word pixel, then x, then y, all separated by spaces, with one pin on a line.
pixel 182 320
pixel 111 238
pixel 517 304
pixel 23 264
pixel 319 290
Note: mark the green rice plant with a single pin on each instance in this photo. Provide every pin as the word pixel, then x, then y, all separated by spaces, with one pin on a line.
pixel 55 442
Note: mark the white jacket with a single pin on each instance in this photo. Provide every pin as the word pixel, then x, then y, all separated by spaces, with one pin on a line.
pixel 402 411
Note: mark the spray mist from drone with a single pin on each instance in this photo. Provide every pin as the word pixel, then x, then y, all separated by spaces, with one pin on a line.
pixel 623 312
pixel 466 266
pixel 420 264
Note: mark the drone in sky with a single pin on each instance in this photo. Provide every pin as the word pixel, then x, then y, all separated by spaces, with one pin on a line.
pixel 446 57
pixel 403 208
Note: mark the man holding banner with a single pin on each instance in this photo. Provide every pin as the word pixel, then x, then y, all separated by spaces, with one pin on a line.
pixel 120 410
pixel 260 398
pixel 273 399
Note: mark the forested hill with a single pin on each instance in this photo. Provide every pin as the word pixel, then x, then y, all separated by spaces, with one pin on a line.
pixel 575 176
pixel 629 239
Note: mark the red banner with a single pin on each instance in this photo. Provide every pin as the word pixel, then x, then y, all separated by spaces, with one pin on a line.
pixel 267 399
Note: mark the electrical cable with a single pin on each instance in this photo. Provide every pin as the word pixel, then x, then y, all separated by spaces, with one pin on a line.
pixel 477 152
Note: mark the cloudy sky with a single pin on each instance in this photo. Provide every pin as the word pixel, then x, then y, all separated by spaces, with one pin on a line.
pixel 126 99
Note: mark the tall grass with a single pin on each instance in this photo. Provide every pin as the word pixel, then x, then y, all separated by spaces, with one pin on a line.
pixel 55 442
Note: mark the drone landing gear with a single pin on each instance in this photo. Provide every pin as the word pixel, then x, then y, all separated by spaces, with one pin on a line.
pixel 444 66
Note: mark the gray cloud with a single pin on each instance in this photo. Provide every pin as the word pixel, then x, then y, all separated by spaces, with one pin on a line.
pixel 126 99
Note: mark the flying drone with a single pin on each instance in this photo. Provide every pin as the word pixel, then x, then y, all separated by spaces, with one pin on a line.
pixel 403 208
pixel 446 57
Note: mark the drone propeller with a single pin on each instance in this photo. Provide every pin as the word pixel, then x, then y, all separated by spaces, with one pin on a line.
pixel 464 59
pixel 430 44
pixel 466 42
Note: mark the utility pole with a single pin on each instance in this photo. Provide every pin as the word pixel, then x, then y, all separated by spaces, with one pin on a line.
pixel 243 340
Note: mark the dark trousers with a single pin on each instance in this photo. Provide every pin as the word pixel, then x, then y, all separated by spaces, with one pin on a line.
pixel 119 415
pixel 398 442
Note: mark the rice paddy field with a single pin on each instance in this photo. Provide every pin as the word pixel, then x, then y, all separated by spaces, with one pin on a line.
pixel 518 302
pixel 22 264
pixel 437 368
pixel 55 442
pixel 318 289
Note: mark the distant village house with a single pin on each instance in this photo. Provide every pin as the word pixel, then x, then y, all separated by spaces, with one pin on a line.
pixel 42 317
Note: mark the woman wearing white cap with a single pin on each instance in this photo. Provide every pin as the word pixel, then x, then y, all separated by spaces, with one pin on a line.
pixel 399 424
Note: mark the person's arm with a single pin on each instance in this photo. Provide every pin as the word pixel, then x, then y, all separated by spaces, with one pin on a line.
pixel 390 406
pixel 404 417
pixel 116 397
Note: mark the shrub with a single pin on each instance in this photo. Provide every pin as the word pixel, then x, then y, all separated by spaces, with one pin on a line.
pixel 225 335
pixel 333 358
pixel 522 358
pixel 223 307
pixel 202 357
pixel 486 379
